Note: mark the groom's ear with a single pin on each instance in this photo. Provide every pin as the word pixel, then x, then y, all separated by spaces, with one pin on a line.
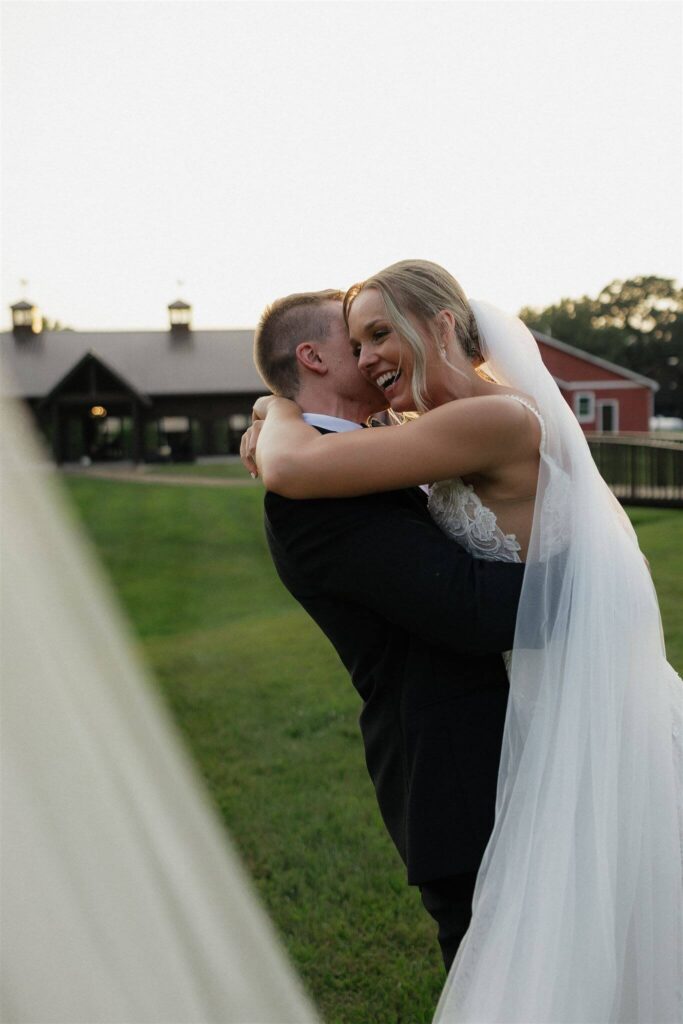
pixel 308 356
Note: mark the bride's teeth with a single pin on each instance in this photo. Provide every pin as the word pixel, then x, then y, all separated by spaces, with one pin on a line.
pixel 385 379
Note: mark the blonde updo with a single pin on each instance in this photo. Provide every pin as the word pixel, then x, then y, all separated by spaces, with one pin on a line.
pixel 423 289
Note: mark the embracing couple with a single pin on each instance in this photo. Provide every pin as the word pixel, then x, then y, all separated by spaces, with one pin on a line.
pixel 522 727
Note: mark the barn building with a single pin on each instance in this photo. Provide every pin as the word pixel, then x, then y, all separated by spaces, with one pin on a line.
pixel 135 395
pixel 605 397
pixel 182 393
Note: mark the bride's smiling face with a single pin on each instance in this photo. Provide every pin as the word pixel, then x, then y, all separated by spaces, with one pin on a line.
pixel 383 357
pixel 444 373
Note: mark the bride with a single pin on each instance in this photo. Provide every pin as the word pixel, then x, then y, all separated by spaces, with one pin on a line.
pixel 578 908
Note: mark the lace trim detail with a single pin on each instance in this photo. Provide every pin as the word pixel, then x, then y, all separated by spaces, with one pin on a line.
pixel 459 511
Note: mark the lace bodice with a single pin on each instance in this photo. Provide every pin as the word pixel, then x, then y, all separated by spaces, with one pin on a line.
pixel 459 511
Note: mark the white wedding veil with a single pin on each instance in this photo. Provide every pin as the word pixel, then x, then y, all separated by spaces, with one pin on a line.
pixel 578 908
pixel 121 897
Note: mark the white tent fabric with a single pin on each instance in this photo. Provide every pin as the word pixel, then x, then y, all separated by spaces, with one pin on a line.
pixel 122 900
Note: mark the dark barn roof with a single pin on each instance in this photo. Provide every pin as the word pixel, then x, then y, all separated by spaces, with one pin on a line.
pixel 169 363
pixel 152 362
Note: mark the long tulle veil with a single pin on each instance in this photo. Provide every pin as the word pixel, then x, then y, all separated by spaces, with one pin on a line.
pixel 122 899
pixel 578 909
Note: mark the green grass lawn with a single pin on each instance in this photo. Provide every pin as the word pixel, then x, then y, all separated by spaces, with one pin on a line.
pixel 660 533
pixel 226 470
pixel 270 716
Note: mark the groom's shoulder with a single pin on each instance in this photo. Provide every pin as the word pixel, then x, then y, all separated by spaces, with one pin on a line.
pixel 411 498
pixel 305 534
pixel 368 513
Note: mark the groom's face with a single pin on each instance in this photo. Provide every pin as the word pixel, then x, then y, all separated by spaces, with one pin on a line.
pixel 348 381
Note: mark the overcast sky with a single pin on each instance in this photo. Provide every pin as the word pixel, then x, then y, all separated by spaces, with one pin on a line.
pixel 254 149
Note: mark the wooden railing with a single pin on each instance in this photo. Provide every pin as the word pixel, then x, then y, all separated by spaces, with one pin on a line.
pixel 640 470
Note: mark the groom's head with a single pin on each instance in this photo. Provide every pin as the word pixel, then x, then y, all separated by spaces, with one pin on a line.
pixel 302 351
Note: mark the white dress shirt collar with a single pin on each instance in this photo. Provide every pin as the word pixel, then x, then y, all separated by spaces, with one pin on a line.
pixel 335 423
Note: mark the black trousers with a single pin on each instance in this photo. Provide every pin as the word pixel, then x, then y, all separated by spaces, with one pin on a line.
pixel 449 901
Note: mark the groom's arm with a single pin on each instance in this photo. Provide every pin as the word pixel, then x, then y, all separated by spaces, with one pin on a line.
pixel 392 560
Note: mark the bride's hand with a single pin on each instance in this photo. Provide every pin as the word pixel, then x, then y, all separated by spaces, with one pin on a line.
pixel 266 402
pixel 251 435
pixel 248 447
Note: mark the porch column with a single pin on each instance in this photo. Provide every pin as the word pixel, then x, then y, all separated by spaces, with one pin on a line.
pixel 137 433
pixel 209 437
pixel 57 438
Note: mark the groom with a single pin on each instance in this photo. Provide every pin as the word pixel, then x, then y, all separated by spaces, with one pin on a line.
pixel 418 623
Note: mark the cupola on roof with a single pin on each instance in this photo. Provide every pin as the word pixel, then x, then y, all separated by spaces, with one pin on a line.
pixel 25 318
pixel 180 316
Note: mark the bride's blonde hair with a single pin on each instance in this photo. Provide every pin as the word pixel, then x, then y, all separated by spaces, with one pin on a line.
pixel 423 289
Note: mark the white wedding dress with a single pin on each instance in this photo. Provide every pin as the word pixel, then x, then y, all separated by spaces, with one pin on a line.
pixel 578 908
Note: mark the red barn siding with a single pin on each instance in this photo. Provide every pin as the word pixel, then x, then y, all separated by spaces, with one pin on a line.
pixel 634 399
pixel 635 408
pixel 572 368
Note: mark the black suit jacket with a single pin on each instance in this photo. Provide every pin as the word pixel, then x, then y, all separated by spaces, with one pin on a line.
pixel 419 625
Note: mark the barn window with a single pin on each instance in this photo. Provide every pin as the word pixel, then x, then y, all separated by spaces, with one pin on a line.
pixel 239 421
pixel 584 406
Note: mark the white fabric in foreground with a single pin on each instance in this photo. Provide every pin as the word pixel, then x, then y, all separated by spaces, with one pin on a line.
pixel 578 908
pixel 121 898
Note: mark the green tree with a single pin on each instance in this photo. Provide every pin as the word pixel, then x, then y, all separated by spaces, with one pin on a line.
pixel 54 325
pixel 637 324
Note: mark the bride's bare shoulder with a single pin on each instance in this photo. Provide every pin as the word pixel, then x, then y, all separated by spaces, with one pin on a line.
pixel 509 431
pixel 495 409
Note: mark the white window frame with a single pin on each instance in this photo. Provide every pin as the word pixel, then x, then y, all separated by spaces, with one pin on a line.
pixel 614 402
pixel 238 422
pixel 589 416
pixel 174 424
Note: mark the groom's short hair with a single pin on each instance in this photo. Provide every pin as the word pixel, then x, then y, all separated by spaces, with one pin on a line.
pixel 284 324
